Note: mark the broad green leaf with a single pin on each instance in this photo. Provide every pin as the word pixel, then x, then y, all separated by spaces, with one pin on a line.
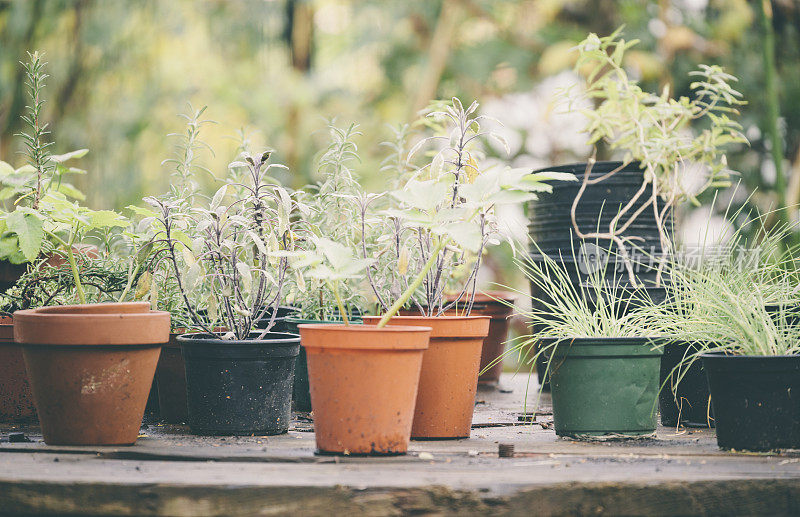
pixel 5 169
pixel 28 227
pixel 106 219
pixel 466 235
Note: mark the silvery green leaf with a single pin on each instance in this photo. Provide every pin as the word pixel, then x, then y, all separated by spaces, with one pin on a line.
pixel 245 275
pixel 466 235
pixel 218 196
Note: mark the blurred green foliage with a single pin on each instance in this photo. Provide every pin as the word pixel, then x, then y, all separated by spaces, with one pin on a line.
pixel 121 72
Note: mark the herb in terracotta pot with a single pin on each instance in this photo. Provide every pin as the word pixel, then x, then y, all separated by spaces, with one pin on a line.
pixel 90 365
pixel 441 215
pixel 363 378
pixel 241 260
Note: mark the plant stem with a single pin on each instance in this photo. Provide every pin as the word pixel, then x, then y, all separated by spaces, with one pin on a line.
pixel 414 285
pixel 73 264
pixel 342 312
pixel 131 276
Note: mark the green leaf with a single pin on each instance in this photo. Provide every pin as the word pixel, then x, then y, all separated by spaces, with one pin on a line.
pixel 466 235
pixel 25 223
pixel 5 169
pixel 61 158
pixel 106 219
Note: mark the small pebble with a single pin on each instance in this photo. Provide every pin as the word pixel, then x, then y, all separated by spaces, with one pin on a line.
pixel 425 456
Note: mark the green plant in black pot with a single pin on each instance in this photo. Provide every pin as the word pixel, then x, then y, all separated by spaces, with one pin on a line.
pixel 737 315
pixel 671 151
pixel 239 380
pixel 598 344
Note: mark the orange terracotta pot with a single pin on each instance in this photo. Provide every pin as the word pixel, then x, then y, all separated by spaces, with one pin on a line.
pixel 91 368
pixel 491 304
pixel 449 377
pixel 363 385
pixel 16 399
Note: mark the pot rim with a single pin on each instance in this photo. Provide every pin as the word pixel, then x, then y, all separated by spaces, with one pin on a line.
pixel 446 327
pixel 396 337
pixel 204 339
pixel 739 357
pixel 605 341
pixel 359 327
pixel 102 324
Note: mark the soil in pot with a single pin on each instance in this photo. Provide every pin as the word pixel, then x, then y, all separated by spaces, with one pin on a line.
pixel 491 304
pixel 363 385
pixel 690 405
pixel 301 391
pixel 239 387
pixel 16 399
pixel 449 378
pixel 755 399
pixel 605 388
pixel 91 368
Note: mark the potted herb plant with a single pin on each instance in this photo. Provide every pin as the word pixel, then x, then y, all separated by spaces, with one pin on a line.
pixel 363 378
pixel 737 314
pixel 238 380
pixel 601 354
pixel 90 366
pixel 331 223
pixel 444 212
pixel 672 150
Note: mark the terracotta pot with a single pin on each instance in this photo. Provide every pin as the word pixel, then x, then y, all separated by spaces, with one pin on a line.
pixel 449 377
pixel 363 385
pixel 491 304
pixel 171 382
pixel 16 400
pixel 91 367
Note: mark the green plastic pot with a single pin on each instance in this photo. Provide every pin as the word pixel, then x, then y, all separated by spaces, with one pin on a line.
pixel 301 391
pixel 604 387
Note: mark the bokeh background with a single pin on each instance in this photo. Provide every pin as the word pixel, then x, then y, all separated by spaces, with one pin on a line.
pixel 122 71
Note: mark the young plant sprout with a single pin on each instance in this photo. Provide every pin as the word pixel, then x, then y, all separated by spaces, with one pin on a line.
pixel 242 257
pixel 442 213
pixel 655 131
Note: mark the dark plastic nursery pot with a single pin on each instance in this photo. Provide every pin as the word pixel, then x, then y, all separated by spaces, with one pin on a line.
pixel 688 402
pixel 239 387
pixel 16 399
pixel 284 312
pixel 301 391
pixel 604 387
pixel 171 381
pixel 756 400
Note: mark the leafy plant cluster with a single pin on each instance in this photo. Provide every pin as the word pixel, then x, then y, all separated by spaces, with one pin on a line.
pixel 667 137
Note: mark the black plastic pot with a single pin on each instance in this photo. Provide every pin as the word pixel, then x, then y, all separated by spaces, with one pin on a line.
pixel 756 400
pixel 690 403
pixel 284 311
pixel 239 387
pixel 550 218
pixel 301 391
